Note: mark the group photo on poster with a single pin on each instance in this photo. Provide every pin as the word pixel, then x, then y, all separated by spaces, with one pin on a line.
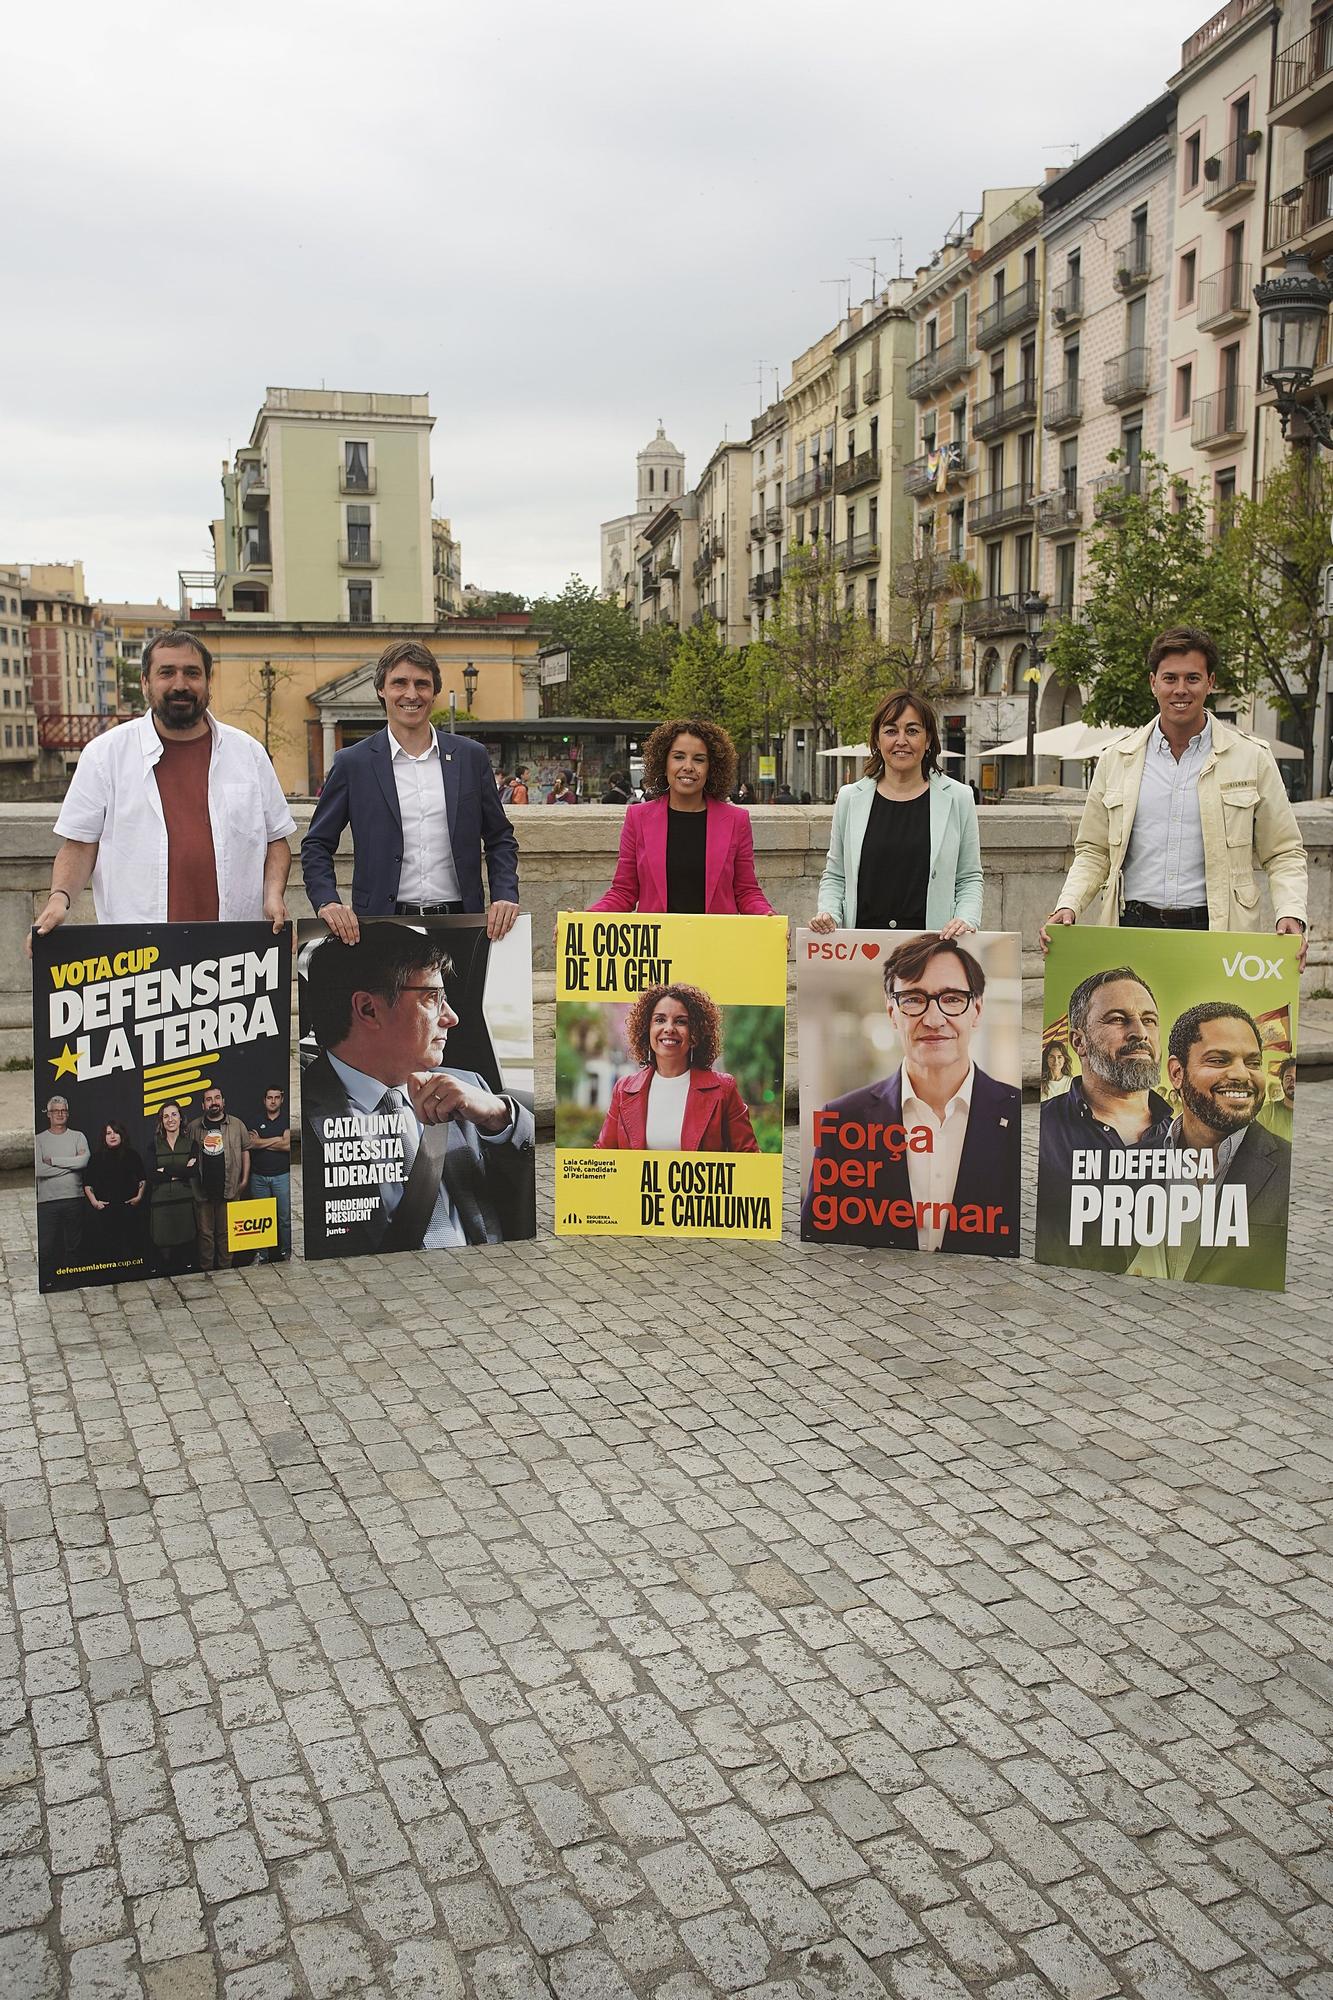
pixel 911 1074
pixel 161 1068
pixel 1168 1093
pixel 417 1086
pixel 669 1075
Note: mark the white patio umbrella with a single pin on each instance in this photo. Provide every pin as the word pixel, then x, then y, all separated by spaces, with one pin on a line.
pixel 1070 742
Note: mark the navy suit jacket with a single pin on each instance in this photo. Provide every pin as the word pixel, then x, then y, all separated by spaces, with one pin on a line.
pixel 359 791
pixel 988 1172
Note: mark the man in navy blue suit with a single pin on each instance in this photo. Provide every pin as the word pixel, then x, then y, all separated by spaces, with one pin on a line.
pixel 927 1158
pixel 421 804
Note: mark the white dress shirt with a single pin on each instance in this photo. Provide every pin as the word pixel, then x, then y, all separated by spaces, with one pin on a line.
pixel 1164 863
pixel 113 799
pixel 428 874
pixel 1172 1260
pixel 932 1176
pixel 666 1112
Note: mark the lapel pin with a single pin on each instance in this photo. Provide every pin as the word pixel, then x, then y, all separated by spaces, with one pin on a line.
pixel 1004 1122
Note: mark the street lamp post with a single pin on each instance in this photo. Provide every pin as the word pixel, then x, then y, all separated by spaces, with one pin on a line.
pixel 470 679
pixel 1293 312
pixel 1034 612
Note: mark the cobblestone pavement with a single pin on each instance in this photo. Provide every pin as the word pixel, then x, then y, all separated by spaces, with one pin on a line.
pixel 667 1620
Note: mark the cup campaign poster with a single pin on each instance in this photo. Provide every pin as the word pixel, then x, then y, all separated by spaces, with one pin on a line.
pixel 153 1047
pixel 417 1086
pixel 911 1089
pixel 1168 1081
pixel 670 1035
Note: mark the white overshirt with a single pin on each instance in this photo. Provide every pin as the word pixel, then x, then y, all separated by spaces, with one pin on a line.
pixel 428 874
pixel 666 1112
pixel 932 1176
pixel 113 799
pixel 1164 863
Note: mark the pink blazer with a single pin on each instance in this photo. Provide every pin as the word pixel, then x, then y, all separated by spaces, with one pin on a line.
pixel 716 1119
pixel 640 880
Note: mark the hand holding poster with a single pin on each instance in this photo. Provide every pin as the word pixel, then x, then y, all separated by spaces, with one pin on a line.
pixel 1165 1084
pixel 405 1146
pixel 669 1054
pixel 911 1076
pixel 156 1049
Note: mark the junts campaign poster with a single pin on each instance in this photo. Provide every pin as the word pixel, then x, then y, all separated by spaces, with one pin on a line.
pixel 911 1082
pixel 670 1037
pixel 154 1048
pixel 1168 1084
pixel 416 1086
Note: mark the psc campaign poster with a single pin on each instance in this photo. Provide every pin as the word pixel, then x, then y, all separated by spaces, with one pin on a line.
pixel 416 1086
pixel 154 1047
pixel 911 1088
pixel 668 1078
pixel 1167 1090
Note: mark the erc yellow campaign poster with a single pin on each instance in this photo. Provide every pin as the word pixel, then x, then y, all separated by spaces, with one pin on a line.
pixel 670 1034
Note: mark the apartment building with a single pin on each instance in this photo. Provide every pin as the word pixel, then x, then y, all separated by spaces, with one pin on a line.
pixel 1222 101
pixel 68 698
pixel 667 553
pixel 447 570
pixel 801 510
pixel 775 519
pixel 121 632
pixel 326 512
pixel 1300 165
pixel 18 721
pixel 720 568
pixel 873 516
pixel 659 477
pixel 1107 232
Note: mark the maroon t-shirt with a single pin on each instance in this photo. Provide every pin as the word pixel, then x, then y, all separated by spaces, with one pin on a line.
pixel 192 876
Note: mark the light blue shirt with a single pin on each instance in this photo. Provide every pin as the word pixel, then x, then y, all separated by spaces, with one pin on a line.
pixel 1164 864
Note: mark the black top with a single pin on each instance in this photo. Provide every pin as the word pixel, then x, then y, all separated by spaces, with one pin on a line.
pixel 895 865
pixel 265 1162
pixel 687 887
pixel 115 1173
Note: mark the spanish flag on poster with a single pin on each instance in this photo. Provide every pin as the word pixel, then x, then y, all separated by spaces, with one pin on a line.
pixel 670 1036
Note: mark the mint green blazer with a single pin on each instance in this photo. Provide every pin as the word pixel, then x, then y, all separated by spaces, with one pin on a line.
pixel 955 854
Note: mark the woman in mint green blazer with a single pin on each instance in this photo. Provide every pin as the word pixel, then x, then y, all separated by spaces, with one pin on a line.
pixel 905 853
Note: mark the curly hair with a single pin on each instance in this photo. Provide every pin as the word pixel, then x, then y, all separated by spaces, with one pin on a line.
pixel 704 1016
pixel 721 756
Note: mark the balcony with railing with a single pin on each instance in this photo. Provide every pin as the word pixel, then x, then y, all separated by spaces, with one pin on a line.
pixel 650 583
pixel 1224 299
pixel 1067 302
pixel 758 585
pixel 1006 507
pixel 1060 513
pixel 1303 77
pixel 806 486
pixel 1133 263
pixel 702 563
pixel 253 491
pixel 858 551
pixel 1063 405
pixel 1109 489
pixel 773 520
pixel 1126 378
pixel 987 617
pixel 1007 407
pixel 359 552
pixel 931 571
pixel 847 403
pixel 938 365
pixel 357 479
pixel 923 474
pixel 756 527
pixel 1222 419
pixel 1302 218
pixel 863 470
pixel 871 386
pixel 668 559
pixel 1016 309
pixel 1231 176
pixel 256 553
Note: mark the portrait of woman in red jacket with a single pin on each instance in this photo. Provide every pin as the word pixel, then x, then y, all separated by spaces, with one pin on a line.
pixel 676 1102
pixel 686 849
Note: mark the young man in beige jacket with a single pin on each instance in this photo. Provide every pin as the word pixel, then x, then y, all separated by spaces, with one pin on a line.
pixel 1180 812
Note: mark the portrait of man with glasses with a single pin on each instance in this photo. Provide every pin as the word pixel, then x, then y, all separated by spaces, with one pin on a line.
pixel 926 1158
pixel 400 1151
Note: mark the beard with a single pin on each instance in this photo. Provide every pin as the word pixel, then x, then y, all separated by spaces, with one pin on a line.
pixel 1127 1074
pixel 1214 1113
pixel 180 711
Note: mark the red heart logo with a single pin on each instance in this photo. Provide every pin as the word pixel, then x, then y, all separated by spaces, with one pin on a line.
pixel 870 950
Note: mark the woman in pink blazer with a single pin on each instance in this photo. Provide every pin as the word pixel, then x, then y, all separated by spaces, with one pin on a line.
pixel 685 849
pixel 676 1102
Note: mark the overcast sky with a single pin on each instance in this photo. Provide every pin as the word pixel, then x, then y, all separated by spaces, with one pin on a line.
pixel 561 221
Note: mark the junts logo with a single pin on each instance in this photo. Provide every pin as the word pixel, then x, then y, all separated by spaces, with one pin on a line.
pixel 1249 965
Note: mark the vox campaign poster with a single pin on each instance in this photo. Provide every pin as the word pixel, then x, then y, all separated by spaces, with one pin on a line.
pixel 416 1056
pixel 1166 1117
pixel 670 1036
pixel 911 1068
pixel 153 1049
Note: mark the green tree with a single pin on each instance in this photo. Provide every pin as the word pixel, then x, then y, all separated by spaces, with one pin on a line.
pixel 710 678
pixel 610 671
pixel 916 651
pixel 491 604
pixel 820 662
pixel 1151 562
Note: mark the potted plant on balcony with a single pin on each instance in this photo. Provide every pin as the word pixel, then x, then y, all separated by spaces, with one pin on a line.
pixel 1212 168
pixel 1253 141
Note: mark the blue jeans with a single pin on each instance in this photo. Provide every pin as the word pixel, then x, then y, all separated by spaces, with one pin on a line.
pixel 280 1187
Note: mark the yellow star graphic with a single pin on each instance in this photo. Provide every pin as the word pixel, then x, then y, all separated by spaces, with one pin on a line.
pixel 65 1064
